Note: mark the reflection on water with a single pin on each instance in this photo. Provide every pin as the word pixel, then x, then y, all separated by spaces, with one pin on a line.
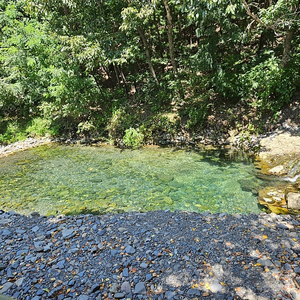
pixel 62 179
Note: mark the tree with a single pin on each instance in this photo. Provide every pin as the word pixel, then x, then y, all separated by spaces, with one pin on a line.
pixel 170 36
pixel 135 16
pixel 282 17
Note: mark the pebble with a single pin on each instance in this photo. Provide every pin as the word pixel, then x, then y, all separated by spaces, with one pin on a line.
pixel 193 292
pixel 83 297
pixel 129 250
pixel 265 262
pixel 149 277
pixel 6 287
pixel 94 288
pixel 67 233
pixel 159 255
pixel 114 288
pixel 119 295
pixel 140 288
pixel 144 265
pixel 126 288
pixel 20 281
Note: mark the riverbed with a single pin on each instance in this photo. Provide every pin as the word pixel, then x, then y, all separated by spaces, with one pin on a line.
pixel 58 179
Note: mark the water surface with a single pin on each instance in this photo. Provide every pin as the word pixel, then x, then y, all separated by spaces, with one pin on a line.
pixel 63 179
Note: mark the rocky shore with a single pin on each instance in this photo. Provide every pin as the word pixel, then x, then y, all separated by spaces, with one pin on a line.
pixel 22 145
pixel 153 255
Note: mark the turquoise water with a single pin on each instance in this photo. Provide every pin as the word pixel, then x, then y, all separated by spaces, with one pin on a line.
pixel 63 179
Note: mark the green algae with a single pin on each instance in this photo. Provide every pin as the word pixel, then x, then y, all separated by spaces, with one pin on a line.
pixel 54 179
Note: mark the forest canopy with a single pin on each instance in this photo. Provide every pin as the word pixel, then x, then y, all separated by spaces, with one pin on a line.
pixel 103 68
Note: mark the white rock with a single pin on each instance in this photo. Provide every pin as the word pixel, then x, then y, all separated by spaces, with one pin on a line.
pixel 293 200
pixel 276 170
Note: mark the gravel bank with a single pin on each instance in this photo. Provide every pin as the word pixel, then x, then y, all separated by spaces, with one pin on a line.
pixel 22 145
pixel 153 255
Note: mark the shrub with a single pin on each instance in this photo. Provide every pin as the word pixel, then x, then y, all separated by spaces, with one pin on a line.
pixel 86 128
pixel 270 86
pixel 39 127
pixel 133 138
pixel 13 131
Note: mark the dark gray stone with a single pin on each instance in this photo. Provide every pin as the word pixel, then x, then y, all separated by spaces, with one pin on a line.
pixel 20 281
pixel 144 265
pixel 67 233
pixel 22 252
pixel 40 292
pixel 83 297
pixel 114 252
pixel 114 288
pixel 149 276
pixel 265 262
pixel 169 295
pixel 193 292
pixel 35 228
pixel 5 232
pixel 5 287
pixel 287 267
pixel 282 226
pixel 125 287
pixel 94 288
pixel 140 288
pixel 129 250
pixel 119 295
pixel 71 282
pixel 61 264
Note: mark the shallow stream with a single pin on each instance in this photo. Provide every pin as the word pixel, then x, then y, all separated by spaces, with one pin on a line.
pixel 56 179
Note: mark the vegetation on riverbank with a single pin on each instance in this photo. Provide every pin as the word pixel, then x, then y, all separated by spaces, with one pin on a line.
pixel 128 70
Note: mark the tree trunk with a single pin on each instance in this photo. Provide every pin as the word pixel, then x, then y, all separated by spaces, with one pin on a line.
pixel 287 47
pixel 148 56
pixel 98 86
pixel 123 79
pixel 117 75
pixel 170 36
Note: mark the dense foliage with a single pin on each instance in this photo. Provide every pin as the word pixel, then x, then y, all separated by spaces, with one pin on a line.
pixel 120 68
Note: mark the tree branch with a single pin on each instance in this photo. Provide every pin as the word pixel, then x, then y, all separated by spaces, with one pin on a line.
pixel 253 16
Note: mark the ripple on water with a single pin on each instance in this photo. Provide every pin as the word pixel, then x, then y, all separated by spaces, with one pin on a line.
pixel 55 179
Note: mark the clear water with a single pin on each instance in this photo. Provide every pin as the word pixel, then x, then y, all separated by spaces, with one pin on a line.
pixel 63 179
